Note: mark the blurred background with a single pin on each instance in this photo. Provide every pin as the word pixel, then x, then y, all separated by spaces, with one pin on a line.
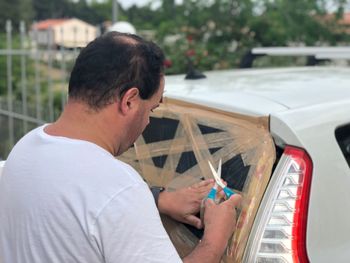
pixel 39 41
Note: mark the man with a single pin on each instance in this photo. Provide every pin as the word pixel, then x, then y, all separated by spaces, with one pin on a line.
pixel 63 195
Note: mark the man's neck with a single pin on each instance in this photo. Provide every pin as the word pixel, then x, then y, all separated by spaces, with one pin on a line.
pixel 78 122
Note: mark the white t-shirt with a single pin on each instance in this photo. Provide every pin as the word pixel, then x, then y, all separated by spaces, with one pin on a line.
pixel 65 200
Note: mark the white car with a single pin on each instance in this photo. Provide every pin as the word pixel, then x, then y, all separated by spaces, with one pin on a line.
pixel 284 138
pixel 2 163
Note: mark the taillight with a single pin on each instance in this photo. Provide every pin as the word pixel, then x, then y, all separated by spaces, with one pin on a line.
pixel 279 231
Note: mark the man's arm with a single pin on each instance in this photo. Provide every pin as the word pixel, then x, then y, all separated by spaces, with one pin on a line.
pixel 219 220
pixel 219 223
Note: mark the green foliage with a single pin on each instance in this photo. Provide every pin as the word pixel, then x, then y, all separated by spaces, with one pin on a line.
pixel 15 10
pixel 51 9
pixel 221 31
pixel 15 71
pixel 225 30
pixel 212 34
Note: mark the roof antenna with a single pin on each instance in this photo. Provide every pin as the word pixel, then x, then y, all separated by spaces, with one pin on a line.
pixel 193 73
pixel 248 59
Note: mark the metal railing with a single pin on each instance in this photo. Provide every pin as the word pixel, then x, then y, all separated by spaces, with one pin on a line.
pixel 33 81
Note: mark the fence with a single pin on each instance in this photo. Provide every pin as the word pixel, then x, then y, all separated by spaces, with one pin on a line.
pixel 33 81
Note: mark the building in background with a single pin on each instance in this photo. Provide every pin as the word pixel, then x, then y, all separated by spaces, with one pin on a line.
pixel 65 32
pixel 345 22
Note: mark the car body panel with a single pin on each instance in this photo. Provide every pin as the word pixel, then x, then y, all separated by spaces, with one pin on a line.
pixel 2 163
pixel 260 92
pixel 328 228
pixel 305 106
pixel 252 105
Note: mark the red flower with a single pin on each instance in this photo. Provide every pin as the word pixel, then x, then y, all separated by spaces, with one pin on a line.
pixel 168 63
pixel 189 38
pixel 190 52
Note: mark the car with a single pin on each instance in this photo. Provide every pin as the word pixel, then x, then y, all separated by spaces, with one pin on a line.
pixel 284 139
pixel 2 163
pixel 283 136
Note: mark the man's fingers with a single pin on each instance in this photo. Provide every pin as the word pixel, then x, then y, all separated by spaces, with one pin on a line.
pixel 209 203
pixel 235 200
pixel 204 184
pixel 194 221
pixel 202 188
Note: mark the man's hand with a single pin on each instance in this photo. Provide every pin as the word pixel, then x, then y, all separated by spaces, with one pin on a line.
pixel 183 204
pixel 220 222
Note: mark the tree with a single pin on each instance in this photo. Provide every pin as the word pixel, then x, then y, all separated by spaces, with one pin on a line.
pixel 15 10
pixel 51 9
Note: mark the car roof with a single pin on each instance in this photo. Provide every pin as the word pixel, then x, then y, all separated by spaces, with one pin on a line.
pixel 260 92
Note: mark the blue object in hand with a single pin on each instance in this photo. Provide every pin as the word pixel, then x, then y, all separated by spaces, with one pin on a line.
pixel 212 193
pixel 228 192
pixel 217 176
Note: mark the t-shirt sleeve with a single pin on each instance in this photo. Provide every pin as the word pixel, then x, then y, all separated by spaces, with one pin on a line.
pixel 129 229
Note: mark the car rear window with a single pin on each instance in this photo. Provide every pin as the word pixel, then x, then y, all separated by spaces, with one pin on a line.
pixel 342 135
pixel 174 151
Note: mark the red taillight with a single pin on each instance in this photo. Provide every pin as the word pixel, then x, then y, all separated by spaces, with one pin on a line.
pixel 302 203
pixel 279 231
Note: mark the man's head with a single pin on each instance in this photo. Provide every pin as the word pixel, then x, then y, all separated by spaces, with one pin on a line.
pixel 119 79
pixel 113 63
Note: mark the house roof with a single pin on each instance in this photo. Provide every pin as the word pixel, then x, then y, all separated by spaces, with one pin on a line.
pixel 46 24
pixel 345 19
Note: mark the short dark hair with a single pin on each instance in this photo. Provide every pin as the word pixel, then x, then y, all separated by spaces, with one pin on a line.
pixel 113 63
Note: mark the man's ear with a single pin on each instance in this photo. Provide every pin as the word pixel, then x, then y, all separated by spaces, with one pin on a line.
pixel 129 100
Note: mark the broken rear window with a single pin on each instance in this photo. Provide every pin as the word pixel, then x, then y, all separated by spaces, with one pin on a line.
pixel 174 151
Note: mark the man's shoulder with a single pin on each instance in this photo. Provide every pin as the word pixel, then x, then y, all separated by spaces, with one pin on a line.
pixel 111 166
pixel 105 172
